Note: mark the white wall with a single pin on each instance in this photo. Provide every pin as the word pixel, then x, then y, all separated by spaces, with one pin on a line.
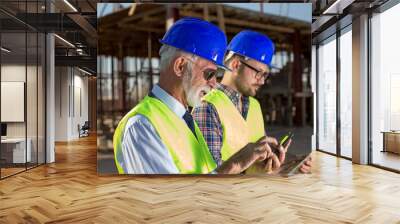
pixel 16 73
pixel 61 103
pixel 33 126
pixel 12 73
pixel 71 93
pixel 12 101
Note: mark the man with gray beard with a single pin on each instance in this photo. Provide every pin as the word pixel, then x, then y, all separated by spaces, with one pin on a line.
pixel 159 135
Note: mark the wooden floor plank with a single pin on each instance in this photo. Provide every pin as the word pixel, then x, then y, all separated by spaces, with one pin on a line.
pixel 70 191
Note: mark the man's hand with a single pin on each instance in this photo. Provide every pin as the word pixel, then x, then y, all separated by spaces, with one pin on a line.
pixel 245 157
pixel 279 148
pixel 274 162
pixel 306 166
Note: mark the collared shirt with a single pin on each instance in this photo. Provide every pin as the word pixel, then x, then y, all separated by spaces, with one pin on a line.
pixel 209 123
pixel 142 148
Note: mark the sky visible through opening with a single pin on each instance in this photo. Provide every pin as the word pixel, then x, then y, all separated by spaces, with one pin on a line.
pixel 297 11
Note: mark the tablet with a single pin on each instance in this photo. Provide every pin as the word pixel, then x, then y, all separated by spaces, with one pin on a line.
pixel 292 165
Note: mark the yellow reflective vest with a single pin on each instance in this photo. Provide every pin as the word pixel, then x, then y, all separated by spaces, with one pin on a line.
pixel 189 153
pixel 237 131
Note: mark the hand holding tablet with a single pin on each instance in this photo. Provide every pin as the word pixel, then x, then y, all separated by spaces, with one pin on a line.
pixel 293 162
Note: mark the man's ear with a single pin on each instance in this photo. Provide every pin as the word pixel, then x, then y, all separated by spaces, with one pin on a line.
pixel 235 64
pixel 179 66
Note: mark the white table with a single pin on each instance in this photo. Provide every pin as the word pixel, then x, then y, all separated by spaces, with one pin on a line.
pixel 18 148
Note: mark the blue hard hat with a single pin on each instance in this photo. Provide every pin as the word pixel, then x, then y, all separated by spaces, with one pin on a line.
pixel 198 37
pixel 254 45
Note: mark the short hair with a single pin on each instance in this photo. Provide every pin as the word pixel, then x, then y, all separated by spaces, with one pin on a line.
pixel 231 55
pixel 168 53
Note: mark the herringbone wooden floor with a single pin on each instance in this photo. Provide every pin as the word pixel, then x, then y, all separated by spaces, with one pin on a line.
pixel 70 191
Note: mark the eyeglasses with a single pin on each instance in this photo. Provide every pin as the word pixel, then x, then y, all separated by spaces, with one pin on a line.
pixel 208 73
pixel 259 74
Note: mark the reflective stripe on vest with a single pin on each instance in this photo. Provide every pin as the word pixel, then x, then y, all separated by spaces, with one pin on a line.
pixel 237 131
pixel 190 154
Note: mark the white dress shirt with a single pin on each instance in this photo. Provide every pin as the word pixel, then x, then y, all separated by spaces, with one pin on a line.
pixel 142 148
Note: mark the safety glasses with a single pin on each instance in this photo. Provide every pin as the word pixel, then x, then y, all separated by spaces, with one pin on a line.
pixel 259 74
pixel 208 73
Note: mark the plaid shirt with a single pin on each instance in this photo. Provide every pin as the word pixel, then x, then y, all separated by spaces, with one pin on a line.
pixel 209 123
